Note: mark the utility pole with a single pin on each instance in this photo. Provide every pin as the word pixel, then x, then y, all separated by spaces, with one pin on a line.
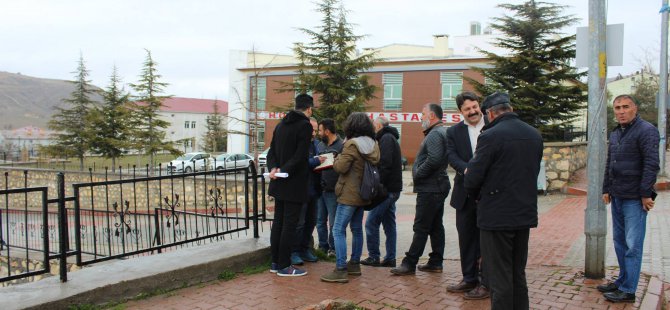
pixel 663 87
pixel 596 216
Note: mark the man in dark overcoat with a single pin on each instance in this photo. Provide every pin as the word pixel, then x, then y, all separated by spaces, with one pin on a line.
pixel 502 176
pixel 289 151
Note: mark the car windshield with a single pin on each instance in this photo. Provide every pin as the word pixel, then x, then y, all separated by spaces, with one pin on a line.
pixel 185 157
pixel 222 157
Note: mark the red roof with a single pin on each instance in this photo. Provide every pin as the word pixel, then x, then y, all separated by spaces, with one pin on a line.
pixel 192 105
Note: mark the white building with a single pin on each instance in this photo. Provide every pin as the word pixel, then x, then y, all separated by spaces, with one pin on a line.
pixel 188 120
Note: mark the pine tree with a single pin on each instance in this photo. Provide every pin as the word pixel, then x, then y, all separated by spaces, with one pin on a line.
pixel 543 86
pixel 72 124
pixel 330 66
pixel 150 133
pixel 113 122
pixel 215 138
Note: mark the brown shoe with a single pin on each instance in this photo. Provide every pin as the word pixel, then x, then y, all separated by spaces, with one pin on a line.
pixel 479 292
pixel 461 287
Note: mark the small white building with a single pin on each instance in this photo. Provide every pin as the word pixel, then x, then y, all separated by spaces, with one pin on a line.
pixel 26 139
pixel 188 120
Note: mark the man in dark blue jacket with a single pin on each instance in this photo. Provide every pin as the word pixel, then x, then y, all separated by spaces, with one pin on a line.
pixel 502 178
pixel 390 172
pixel 630 175
pixel 302 250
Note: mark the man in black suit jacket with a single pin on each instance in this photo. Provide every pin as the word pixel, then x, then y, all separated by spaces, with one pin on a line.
pixel 461 143
pixel 289 151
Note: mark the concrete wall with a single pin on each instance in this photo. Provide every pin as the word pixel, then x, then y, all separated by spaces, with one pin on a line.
pixel 562 159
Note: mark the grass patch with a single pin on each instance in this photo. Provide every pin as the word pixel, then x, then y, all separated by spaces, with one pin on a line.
pixel 227 275
pixel 112 306
pixel 256 269
pixel 323 256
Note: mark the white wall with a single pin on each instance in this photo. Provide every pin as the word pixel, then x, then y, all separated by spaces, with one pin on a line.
pixel 238 96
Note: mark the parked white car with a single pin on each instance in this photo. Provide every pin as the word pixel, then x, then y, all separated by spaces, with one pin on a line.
pixel 231 161
pixel 189 162
pixel 263 158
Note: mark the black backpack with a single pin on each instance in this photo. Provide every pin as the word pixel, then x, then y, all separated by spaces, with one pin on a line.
pixel 371 186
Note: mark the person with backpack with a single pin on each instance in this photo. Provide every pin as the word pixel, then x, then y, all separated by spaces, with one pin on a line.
pixel 359 148
pixel 431 183
pixel 390 170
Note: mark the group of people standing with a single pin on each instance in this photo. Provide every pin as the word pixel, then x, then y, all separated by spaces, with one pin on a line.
pixel 496 157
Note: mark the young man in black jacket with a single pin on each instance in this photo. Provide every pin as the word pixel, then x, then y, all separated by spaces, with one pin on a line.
pixel 288 153
pixel 327 203
pixel 390 172
pixel 502 178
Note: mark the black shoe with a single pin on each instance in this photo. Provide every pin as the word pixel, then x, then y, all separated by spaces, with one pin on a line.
pixel 619 296
pixel 404 270
pixel 370 262
pixel 430 268
pixel 609 287
pixel 388 263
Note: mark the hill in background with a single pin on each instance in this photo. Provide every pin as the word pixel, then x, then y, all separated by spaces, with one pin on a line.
pixel 30 101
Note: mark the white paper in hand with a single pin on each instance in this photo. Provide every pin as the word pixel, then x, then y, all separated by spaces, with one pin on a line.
pixel 278 174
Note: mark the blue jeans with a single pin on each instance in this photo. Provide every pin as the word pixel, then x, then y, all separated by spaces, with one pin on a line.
pixel 383 214
pixel 629 222
pixel 345 215
pixel 325 217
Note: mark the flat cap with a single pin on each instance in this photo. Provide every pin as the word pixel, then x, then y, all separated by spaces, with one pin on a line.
pixel 495 99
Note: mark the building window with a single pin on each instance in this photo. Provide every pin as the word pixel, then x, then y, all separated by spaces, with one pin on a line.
pixel 399 127
pixel 259 90
pixel 259 129
pixel 452 85
pixel 193 124
pixel 392 91
pixel 186 124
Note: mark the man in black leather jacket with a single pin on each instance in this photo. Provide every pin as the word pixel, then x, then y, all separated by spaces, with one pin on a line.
pixel 432 186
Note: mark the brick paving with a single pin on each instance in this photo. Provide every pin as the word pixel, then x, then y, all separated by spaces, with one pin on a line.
pixel 554 273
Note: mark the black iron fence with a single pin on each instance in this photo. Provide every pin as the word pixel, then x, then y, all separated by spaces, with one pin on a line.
pixel 115 218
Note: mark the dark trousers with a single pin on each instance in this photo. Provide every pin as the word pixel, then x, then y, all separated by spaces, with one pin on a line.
pixel 468 242
pixel 306 226
pixel 427 222
pixel 506 274
pixel 282 235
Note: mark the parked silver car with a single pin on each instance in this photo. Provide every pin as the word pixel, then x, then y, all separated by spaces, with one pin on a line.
pixel 231 161
pixel 189 162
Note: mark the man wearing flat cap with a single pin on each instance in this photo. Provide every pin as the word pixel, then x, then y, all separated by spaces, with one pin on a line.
pixel 502 178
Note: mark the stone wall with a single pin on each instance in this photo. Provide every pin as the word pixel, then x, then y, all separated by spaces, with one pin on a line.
pixel 22 265
pixel 562 159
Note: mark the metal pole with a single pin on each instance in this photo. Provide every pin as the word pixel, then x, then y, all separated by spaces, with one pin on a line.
pixel 595 226
pixel 663 86
pixel 62 228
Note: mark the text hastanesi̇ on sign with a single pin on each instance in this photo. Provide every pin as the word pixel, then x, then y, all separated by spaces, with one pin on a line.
pixel 396 117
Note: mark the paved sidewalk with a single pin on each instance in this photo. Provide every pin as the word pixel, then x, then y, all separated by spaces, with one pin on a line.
pixel 555 271
pixel 549 288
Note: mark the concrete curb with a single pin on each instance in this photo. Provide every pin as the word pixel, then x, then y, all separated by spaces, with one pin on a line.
pixel 123 279
pixel 653 297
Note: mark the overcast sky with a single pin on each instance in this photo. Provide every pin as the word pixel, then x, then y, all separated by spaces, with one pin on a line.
pixel 191 40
